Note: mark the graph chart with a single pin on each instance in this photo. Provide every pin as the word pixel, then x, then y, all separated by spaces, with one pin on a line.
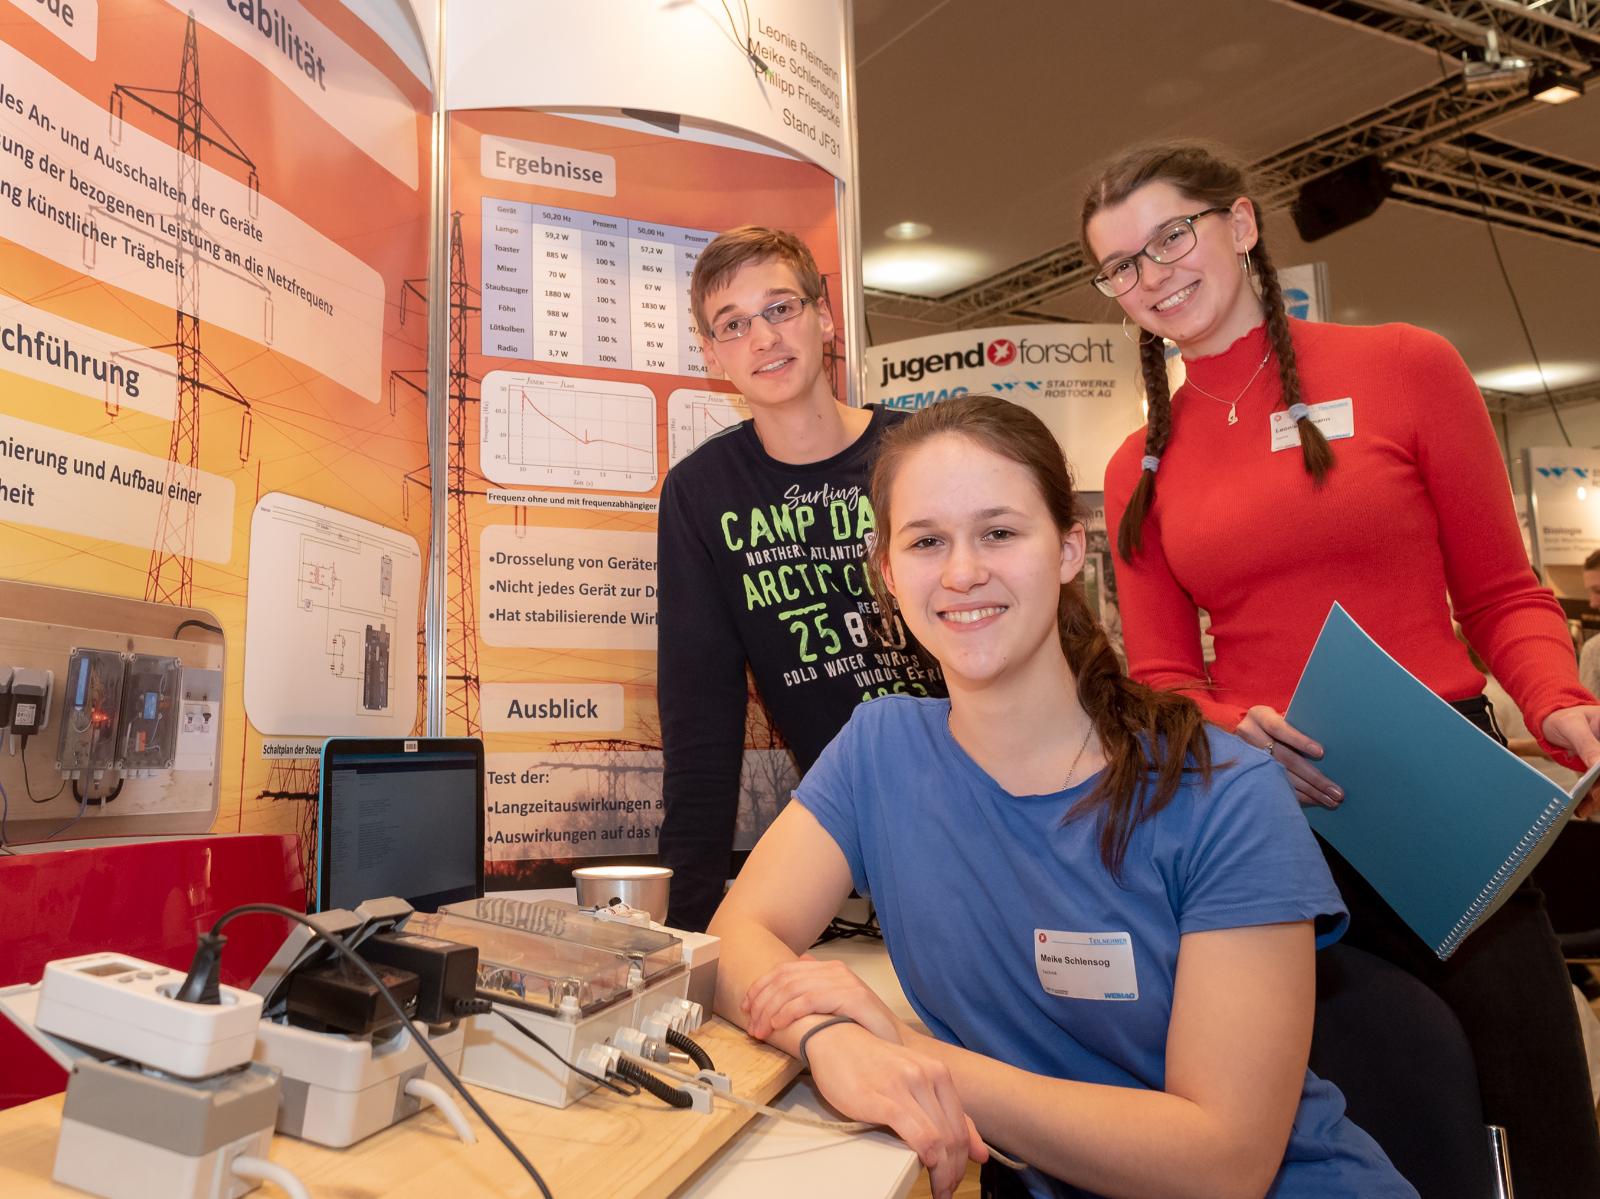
pixel 693 416
pixel 554 431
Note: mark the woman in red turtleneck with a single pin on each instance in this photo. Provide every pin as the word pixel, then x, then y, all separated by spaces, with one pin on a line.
pixel 1299 464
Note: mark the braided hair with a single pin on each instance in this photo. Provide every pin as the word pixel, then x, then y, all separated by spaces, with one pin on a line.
pixel 1151 738
pixel 1210 178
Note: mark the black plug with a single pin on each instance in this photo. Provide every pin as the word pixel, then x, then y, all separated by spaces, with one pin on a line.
pixel 202 984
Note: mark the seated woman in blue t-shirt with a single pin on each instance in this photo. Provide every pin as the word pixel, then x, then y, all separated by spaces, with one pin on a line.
pixel 1104 911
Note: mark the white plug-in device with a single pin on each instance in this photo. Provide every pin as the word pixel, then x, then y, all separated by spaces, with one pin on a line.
pixel 126 1134
pixel 133 1126
pixel 338 1090
pixel 123 1006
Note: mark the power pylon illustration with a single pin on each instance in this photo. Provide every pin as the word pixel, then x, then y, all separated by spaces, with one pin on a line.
pixel 617 770
pixel 461 599
pixel 170 578
pixel 415 380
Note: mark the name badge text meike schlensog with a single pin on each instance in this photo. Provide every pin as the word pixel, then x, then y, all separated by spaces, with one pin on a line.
pixel 1085 965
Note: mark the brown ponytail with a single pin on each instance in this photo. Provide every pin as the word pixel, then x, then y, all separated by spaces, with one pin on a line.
pixel 1157 433
pixel 1314 447
pixel 1150 738
pixel 1211 179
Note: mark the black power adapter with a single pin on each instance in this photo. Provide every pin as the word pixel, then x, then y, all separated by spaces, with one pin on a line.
pixel 337 997
pixel 447 972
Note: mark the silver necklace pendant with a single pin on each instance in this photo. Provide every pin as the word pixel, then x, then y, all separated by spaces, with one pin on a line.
pixel 1233 413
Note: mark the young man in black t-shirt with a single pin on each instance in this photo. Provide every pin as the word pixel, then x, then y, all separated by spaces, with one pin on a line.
pixel 761 557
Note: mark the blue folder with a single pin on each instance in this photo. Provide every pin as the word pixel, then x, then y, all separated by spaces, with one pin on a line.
pixel 1440 818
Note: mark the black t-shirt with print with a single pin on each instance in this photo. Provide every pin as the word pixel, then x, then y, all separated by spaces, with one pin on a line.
pixel 760 562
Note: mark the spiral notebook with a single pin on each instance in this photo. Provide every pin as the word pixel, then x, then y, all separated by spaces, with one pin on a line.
pixel 1440 818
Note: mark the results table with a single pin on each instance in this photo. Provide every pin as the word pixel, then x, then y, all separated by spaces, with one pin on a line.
pixel 561 285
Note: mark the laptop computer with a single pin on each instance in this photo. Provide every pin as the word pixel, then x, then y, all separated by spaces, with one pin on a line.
pixel 400 816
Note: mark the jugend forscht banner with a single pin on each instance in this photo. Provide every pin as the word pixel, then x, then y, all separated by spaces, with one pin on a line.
pixel 1081 380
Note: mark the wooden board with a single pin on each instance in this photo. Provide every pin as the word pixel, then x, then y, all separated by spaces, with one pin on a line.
pixel 604 1145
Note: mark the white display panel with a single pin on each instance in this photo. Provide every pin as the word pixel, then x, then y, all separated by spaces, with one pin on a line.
pixel 331 626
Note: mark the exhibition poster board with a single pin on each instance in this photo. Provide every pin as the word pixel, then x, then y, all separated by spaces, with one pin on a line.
pixel 578 383
pixel 1081 380
pixel 212 351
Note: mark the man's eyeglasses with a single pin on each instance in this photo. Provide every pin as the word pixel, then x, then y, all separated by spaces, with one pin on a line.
pixel 1169 245
pixel 736 327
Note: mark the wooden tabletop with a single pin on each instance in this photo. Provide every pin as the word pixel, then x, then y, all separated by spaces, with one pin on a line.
pixel 603 1145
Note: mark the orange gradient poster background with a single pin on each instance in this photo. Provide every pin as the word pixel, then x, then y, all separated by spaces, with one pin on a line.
pixel 576 386
pixel 304 259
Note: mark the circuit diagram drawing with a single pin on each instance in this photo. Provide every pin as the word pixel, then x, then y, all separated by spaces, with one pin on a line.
pixel 320 638
pixel 359 620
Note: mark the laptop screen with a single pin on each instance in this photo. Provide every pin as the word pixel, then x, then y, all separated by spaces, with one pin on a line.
pixel 401 817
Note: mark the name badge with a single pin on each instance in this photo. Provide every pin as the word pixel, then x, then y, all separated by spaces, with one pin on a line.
pixel 1336 419
pixel 1085 965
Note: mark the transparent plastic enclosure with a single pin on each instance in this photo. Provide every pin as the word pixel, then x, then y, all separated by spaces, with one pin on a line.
pixel 546 974
pixel 149 737
pixel 91 697
pixel 655 953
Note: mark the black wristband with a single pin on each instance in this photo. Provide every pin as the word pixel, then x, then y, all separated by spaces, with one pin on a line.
pixel 800 1052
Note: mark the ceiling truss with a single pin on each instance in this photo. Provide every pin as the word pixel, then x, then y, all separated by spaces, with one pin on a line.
pixel 1516 403
pixel 1429 142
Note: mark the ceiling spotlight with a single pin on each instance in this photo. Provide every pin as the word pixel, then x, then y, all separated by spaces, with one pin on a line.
pixel 908 231
pixel 1552 85
pixel 1494 70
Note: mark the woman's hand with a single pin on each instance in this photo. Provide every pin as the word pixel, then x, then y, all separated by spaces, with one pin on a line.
pixel 1265 728
pixel 868 1078
pixel 807 987
pixel 1577 730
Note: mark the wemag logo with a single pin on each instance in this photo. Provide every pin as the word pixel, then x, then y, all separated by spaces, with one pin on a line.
pixel 1000 351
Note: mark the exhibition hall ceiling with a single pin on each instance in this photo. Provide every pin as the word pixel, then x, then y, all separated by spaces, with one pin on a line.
pixel 983 119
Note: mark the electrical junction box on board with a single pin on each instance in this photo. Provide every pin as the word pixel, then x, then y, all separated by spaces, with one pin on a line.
pixel 90 707
pixel 151 703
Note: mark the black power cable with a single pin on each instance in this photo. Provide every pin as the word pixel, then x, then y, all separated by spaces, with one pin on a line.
pixel 697 1055
pixel 201 986
pixel 198 624
pixel 661 1089
pixel 26 784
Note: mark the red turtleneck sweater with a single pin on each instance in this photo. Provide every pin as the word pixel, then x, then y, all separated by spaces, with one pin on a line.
pixel 1415 520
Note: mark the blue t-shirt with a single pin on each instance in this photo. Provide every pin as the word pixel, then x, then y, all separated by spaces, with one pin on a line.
pixel 967 878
